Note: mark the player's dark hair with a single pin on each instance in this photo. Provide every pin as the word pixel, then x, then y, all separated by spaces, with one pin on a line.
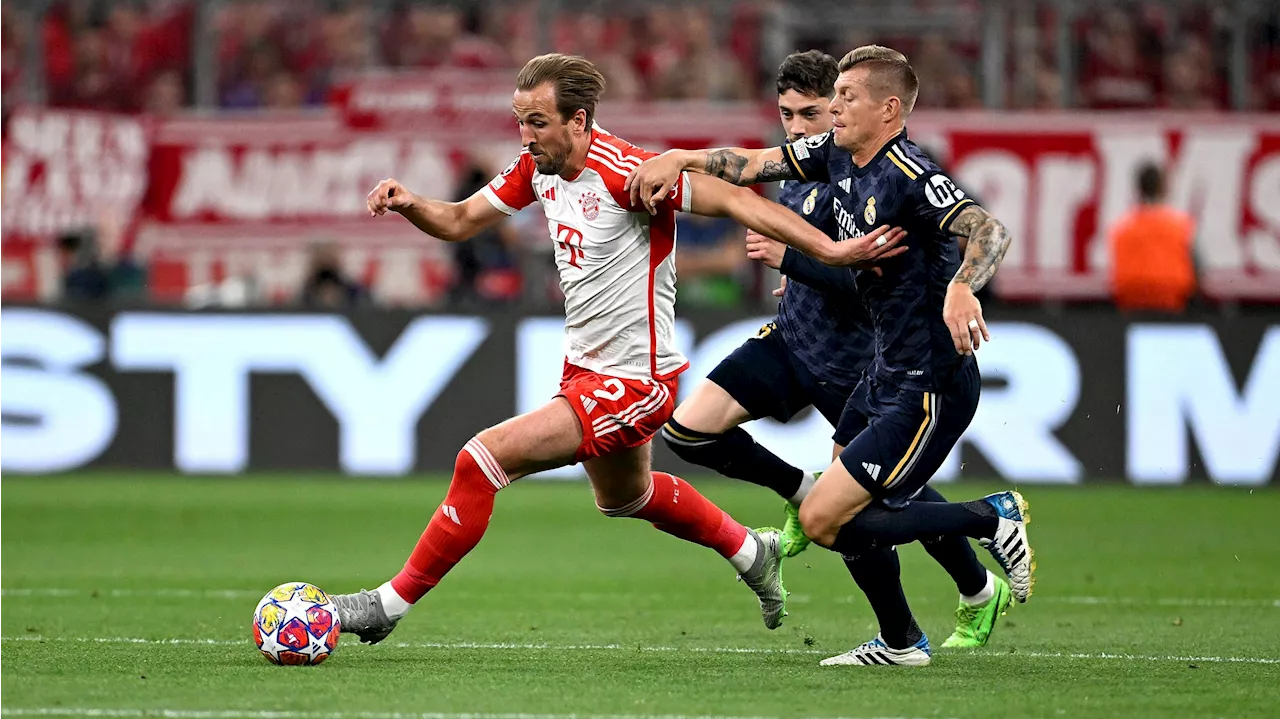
pixel 577 82
pixel 811 73
pixel 1150 182
pixel 890 73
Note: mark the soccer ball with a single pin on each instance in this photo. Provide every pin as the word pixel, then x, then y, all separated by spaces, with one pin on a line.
pixel 296 623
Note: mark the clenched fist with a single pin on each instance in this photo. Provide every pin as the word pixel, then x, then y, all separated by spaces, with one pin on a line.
pixel 389 195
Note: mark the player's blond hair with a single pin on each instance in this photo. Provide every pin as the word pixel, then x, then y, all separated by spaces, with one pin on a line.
pixel 889 73
pixel 576 81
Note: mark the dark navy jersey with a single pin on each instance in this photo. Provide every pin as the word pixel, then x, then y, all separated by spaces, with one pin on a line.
pixel 821 318
pixel 899 187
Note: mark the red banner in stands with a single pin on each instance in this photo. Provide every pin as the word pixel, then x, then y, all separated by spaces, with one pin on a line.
pixel 1059 182
pixel 247 195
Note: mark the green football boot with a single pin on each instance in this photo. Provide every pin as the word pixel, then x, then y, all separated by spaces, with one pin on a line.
pixel 975 622
pixel 794 540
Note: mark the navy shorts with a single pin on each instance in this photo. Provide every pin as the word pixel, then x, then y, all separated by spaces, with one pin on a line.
pixel 897 438
pixel 768 381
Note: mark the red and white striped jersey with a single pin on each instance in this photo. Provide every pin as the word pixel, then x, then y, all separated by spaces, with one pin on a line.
pixel 616 261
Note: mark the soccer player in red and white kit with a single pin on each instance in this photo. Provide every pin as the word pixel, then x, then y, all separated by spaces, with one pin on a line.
pixel 617 271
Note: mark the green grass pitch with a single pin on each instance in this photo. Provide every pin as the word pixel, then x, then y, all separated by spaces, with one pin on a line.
pixel 130 596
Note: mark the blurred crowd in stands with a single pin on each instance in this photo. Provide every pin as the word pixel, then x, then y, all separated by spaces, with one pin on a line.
pixel 142 56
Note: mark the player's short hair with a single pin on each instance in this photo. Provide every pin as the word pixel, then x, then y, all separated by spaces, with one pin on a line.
pixel 1150 182
pixel 576 80
pixel 890 73
pixel 811 73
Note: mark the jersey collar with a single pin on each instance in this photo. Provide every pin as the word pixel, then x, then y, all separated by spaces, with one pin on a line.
pixel 860 171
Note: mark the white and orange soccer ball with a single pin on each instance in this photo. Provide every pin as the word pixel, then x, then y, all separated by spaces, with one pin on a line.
pixel 296 623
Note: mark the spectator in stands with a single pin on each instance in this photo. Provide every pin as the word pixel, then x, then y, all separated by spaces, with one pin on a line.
pixel 434 34
pixel 1048 88
pixel 488 264
pixel 705 70
pixel 327 286
pixel 1186 77
pixel 83 278
pixel 97 264
pixel 1115 74
pixel 165 94
pixel 710 261
pixel 1151 251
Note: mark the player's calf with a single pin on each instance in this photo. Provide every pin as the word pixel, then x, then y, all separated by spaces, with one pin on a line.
pixel 735 453
pixel 673 506
pixel 455 529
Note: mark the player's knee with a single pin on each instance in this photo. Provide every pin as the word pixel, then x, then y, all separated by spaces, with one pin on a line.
pixel 474 455
pixel 690 445
pixel 819 525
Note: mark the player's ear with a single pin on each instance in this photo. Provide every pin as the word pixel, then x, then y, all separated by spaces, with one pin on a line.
pixel 578 122
pixel 892 107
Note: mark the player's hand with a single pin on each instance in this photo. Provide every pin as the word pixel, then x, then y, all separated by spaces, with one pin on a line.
pixel 765 249
pixel 654 179
pixel 782 287
pixel 388 195
pixel 863 252
pixel 963 315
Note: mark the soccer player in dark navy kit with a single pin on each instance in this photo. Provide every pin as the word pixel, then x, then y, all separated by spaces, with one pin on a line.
pixel 814 353
pixel 922 390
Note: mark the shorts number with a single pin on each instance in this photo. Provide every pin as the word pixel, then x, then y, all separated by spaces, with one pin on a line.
pixel 618 390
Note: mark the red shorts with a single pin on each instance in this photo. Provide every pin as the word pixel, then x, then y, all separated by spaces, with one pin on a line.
pixel 616 413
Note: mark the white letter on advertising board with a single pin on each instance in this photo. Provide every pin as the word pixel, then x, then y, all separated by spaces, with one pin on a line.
pixel 1178 378
pixel 56 417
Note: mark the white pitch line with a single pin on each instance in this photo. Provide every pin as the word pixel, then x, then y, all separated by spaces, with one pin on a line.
pixel 165 593
pixel 135 593
pixel 513 646
pixel 252 714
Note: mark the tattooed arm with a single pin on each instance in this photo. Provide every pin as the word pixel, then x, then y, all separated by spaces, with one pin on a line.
pixel 653 179
pixel 985 241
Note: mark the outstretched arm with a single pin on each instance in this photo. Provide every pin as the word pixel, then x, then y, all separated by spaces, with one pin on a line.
pixel 449 221
pixel 714 198
pixel 985 241
pixel 653 179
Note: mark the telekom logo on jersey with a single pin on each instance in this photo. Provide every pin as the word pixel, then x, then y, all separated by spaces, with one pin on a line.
pixel 570 240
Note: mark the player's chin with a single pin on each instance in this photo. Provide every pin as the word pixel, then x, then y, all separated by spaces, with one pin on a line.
pixel 547 166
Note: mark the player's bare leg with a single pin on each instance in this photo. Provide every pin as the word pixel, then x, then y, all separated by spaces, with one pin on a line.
pixel 625 487
pixel 705 431
pixel 543 439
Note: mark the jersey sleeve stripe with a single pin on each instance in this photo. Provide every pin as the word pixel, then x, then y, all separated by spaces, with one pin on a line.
pixel 905 170
pixel 497 202
pixel 593 155
pixel 897 148
pixel 686 197
pixel 946 219
pixel 615 152
pixel 789 154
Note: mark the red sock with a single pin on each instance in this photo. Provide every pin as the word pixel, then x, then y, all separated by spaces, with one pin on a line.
pixel 455 528
pixel 675 507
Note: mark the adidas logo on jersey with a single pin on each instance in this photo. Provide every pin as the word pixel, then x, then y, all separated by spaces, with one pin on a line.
pixel 550 194
pixel 872 469
pixel 846 184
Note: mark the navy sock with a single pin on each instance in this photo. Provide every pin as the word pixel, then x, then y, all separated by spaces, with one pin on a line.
pixel 954 552
pixel 734 454
pixel 879 576
pixel 878 526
